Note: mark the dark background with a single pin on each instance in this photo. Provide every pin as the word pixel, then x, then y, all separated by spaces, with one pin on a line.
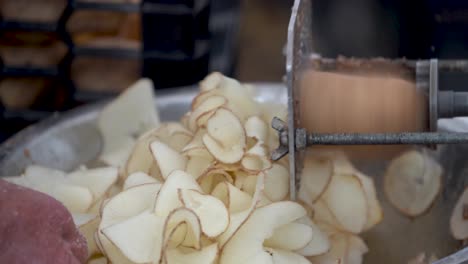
pixel 245 39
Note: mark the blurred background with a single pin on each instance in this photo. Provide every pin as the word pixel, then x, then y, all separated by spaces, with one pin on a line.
pixel 59 54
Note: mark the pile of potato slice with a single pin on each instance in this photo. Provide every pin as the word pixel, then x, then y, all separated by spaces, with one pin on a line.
pixel 344 203
pixel 204 190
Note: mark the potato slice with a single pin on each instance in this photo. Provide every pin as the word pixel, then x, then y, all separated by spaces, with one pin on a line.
pixel 138 178
pixel 96 206
pixel 356 249
pixel 374 212
pixel 193 231
pixel 174 135
pixel 168 197
pixel 206 255
pixel 234 199
pixel 412 182
pixel 249 184
pixel 256 128
pixel 125 119
pixel 225 138
pixel 38 175
pixel 199 160
pixel 247 243
pixel 347 201
pixel 236 220
pixel 201 97
pixel 168 160
pixel 316 176
pixel 324 215
pixel 292 236
pixel 256 159
pixel 281 256
pixel 345 248
pixel 122 206
pixel 129 203
pixel 212 177
pixel 276 183
pixel 196 142
pixel 207 106
pixel 214 217
pixel 98 180
pixel 138 237
pixel 81 219
pixel 141 159
pixel 459 218
pixel 88 229
pixel 76 199
pixel 319 244
pixel 240 97
pixel 212 81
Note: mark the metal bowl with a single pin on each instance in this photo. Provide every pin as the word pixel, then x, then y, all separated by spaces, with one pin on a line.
pixel 71 139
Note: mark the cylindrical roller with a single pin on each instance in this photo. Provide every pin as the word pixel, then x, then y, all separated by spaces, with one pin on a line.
pixel 337 102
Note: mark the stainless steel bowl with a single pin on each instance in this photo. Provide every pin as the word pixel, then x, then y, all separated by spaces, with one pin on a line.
pixel 68 140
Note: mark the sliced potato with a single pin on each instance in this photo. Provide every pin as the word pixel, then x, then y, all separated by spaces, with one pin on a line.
pixel 276 183
pixel 248 241
pixel 123 120
pixel 38 175
pixel 212 177
pixel 122 206
pixel 347 201
pixel 345 248
pixel 81 219
pixel 168 197
pixel 98 181
pixel 236 220
pixel 319 244
pixel 225 138
pixel 213 214
pixel 249 184
pixel 206 255
pixel 316 176
pixel 198 162
pixel 208 105
pixel 412 182
pixel 256 128
pixel 76 199
pixel 138 178
pixel 168 159
pixel 88 229
pixel 292 236
pixel 141 159
pixel 324 215
pixel 256 158
pixel 174 135
pixel 234 199
pixel 459 218
pixel 138 237
pixel 375 211
pixel 196 142
pixel 212 81
pixel 193 232
pixel 281 256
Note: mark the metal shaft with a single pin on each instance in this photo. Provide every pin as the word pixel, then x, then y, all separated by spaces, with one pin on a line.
pixel 385 139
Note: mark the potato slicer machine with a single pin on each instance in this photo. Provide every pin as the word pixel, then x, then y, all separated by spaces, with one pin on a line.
pixel 294 139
